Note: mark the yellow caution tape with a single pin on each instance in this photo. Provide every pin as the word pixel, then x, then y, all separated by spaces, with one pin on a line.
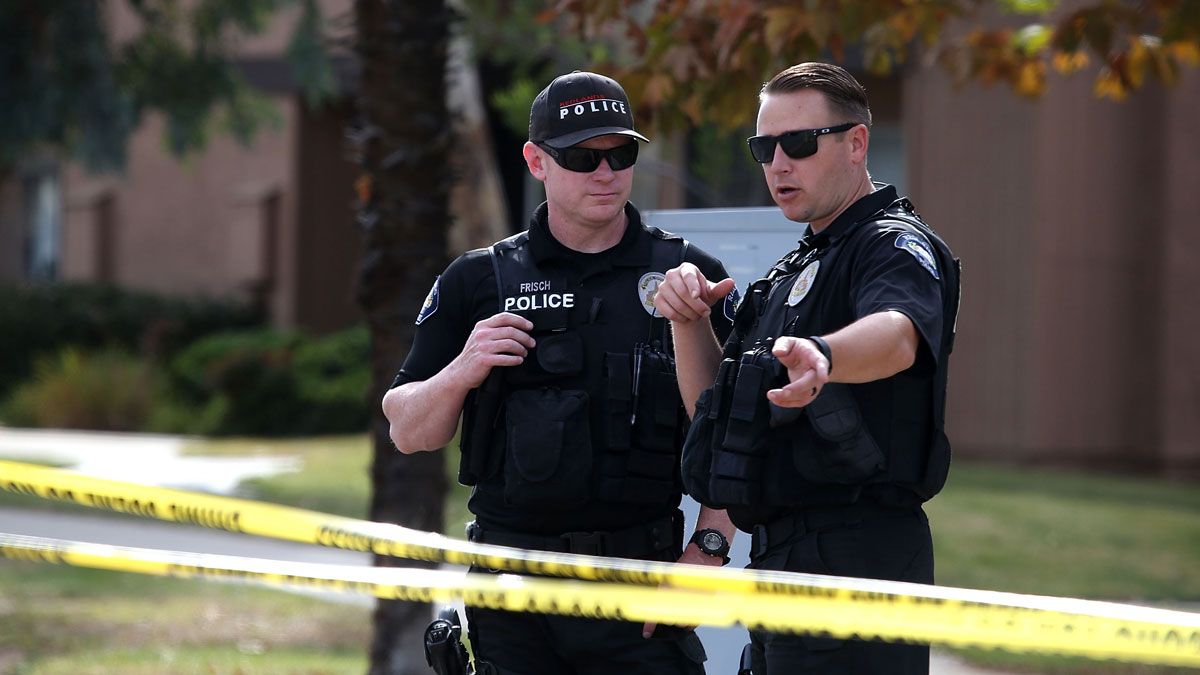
pixel 1158 636
pixel 863 607
pixel 294 524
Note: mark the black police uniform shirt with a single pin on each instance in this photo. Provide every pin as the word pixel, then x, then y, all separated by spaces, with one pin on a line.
pixel 466 294
pixel 845 279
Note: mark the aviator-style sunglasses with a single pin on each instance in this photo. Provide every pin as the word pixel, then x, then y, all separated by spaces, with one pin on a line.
pixel 796 144
pixel 586 160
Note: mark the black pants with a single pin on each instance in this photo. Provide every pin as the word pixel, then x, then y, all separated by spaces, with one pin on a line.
pixel 519 643
pixel 894 546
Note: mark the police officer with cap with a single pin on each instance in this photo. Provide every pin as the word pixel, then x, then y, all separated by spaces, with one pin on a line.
pixel 549 345
pixel 822 432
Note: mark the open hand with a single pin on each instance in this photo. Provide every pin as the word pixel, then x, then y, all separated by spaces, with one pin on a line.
pixel 808 371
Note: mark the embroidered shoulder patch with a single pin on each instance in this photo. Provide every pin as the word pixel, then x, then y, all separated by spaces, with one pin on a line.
pixel 804 283
pixel 730 306
pixel 431 302
pixel 647 288
pixel 920 249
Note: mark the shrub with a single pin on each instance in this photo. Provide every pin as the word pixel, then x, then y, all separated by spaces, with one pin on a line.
pixel 107 390
pixel 333 375
pixel 272 383
pixel 42 319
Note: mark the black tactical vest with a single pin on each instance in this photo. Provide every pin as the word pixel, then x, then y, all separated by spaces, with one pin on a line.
pixel 744 451
pixel 594 412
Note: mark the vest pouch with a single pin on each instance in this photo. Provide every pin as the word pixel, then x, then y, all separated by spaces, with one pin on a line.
pixel 737 460
pixel 548 450
pixel 747 408
pixel 556 355
pixel 560 353
pixel 698 448
pixel 648 471
pixel 706 431
pixel 480 455
pixel 619 406
pixel 835 446
pixel 658 406
pixel 736 478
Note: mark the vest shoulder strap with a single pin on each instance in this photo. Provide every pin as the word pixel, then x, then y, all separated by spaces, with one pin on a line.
pixel 507 244
pixel 667 251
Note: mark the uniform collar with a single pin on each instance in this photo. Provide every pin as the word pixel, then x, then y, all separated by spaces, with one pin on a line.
pixel 854 215
pixel 633 250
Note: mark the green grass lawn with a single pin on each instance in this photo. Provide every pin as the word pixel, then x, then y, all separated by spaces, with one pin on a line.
pixel 995 528
pixel 336 476
pixel 1058 533
pixel 1068 534
pixel 65 620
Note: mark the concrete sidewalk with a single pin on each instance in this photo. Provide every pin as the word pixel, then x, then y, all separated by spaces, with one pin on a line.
pixel 150 459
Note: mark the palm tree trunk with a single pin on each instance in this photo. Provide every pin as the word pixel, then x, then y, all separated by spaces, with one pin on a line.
pixel 403 135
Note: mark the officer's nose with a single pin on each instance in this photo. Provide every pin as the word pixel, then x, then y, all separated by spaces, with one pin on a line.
pixel 780 162
pixel 604 171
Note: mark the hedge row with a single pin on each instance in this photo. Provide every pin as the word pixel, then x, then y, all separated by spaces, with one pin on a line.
pixel 101 358
pixel 41 320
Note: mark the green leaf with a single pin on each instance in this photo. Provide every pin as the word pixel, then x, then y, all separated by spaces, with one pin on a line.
pixel 1032 39
pixel 309 57
pixel 1028 6
pixel 513 104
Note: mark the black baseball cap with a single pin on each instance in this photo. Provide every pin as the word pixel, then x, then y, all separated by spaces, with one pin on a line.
pixel 578 106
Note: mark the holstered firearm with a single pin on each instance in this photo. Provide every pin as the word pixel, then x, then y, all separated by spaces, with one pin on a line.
pixel 444 650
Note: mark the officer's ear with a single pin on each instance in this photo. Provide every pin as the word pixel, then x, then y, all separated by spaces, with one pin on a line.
pixel 859 138
pixel 535 159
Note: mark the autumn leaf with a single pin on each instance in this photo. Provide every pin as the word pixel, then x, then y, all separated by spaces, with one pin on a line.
pixel 712 50
pixel 657 90
pixel 781 25
pixel 1031 79
pixel 1185 51
pixel 1069 62
pixel 1109 85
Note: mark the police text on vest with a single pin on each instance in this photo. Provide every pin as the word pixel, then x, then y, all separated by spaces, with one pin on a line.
pixel 539 301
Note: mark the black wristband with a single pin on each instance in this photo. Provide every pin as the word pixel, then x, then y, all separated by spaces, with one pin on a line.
pixel 823 346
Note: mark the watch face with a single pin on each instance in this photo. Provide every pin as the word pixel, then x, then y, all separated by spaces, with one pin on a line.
pixel 712 541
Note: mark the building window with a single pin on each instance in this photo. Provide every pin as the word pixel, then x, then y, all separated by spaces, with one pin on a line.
pixel 43 217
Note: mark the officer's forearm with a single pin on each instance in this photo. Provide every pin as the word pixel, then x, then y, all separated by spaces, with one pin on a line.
pixel 872 348
pixel 716 519
pixel 697 356
pixel 423 415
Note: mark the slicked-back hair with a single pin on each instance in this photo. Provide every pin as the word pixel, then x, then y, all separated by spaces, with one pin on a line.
pixel 846 96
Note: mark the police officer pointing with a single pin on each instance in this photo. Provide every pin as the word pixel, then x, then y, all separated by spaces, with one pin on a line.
pixel 549 345
pixel 822 430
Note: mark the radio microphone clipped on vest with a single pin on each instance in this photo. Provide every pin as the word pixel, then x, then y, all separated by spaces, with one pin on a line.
pixel 637 377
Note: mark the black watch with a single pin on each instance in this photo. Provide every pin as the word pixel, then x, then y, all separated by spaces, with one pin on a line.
pixel 713 543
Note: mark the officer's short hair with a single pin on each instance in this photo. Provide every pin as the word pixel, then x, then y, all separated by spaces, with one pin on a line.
pixel 844 93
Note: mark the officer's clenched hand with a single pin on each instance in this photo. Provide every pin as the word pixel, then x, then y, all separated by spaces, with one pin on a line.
pixel 686 295
pixel 808 371
pixel 499 340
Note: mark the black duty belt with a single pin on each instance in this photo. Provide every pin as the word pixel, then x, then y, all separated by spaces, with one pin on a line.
pixel 797 523
pixel 639 541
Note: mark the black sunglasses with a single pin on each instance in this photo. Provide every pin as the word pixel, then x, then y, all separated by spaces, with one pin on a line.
pixel 586 160
pixel 796 144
